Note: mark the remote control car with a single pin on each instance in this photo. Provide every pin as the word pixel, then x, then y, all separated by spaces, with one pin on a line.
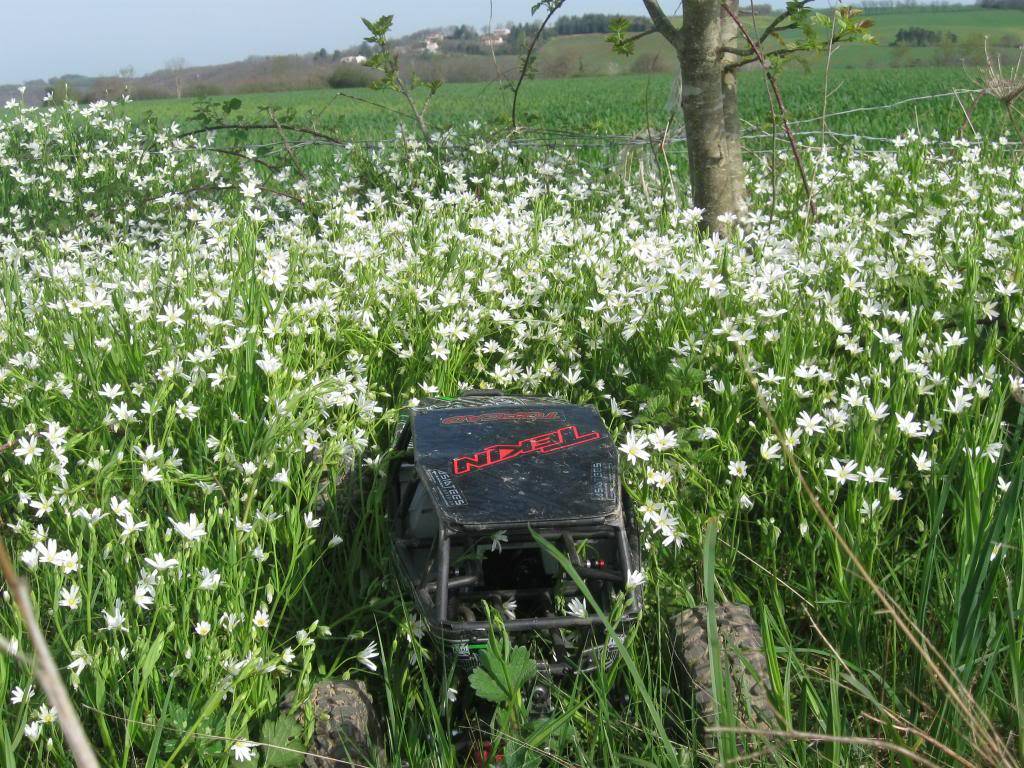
pixel 473 482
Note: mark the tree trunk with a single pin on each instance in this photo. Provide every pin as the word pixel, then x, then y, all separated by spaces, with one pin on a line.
pixel 730 107
pixel 708 99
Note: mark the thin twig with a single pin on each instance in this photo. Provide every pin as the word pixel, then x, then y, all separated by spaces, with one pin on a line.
pixel 46 671
pixel 378 105
pixel 192 191
pixel 861 741
pixel 287 146
pixel 776 25
pixel 766 571
pixel 224 187
pixel 968 112
pixel 782 108
pixel 639 36
pixel 662 22
pixel 771 108
pixel 552 8
pixel 490 45
pixel 750 59
pixel 325 107
pixel 900 724
pixel 241 156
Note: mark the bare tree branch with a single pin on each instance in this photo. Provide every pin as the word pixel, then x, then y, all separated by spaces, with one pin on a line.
pixel 782 108
pixel 776 24
pixel 751 57
pixel 287 145
pixel 661 21
pixel 524 69
pixel 639 36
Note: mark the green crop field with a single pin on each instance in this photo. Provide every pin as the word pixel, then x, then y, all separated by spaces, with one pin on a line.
pixel 631 103
pixel 591 55
pixel 207 342
pixel 586 100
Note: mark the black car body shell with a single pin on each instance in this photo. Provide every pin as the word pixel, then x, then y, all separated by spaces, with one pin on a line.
pixel 497 462
pixel 521 466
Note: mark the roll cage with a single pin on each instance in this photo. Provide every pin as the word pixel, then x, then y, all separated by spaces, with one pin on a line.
pixel 451 567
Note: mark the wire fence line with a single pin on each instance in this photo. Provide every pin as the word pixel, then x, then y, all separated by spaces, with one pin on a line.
pixel 556 138
pixel 818 118
pixel 957 92
pixel 617 141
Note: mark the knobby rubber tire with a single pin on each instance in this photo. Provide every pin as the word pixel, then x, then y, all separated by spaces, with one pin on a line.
pixel 345 727
pixel 744 668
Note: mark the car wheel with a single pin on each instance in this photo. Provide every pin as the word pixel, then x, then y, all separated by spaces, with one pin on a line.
pixel 744 668
pixel 345 728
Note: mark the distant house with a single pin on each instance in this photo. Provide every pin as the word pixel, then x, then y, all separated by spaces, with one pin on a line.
pixel 497 37
pixel 353 59
pixel 432 42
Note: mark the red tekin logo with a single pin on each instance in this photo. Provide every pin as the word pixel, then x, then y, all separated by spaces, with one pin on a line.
pixel 559 439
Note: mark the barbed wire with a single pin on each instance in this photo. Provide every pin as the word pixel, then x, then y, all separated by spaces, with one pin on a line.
pixel 618 141
pixel 570 135
pixel 892 105
pixel 660 140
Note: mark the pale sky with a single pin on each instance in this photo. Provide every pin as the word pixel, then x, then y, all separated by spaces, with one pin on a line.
pixel 48 38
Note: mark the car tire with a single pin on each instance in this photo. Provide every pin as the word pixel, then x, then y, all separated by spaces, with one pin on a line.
pixel 744 668
pixel 345 727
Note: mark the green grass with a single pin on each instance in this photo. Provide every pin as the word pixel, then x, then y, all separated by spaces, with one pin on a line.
pixel 177 338
pixel 591 55
pixel 586 101
pixel 628 104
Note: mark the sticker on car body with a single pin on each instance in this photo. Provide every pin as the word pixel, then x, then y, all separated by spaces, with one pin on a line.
pixel 444 485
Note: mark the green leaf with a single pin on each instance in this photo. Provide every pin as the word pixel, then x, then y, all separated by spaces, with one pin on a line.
pixel 486 687
pixel 521 668
pixel 497 679
pixel 378 29
pixel 618 30
pixel 282 732
pixel 176 718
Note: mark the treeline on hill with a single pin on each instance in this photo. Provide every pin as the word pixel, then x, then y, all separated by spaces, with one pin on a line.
pixel 876 6
pixel 591 23
pixel 919 47
pixel 588 24
pixel 465 54
pixel 920 37
pixel 513 39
